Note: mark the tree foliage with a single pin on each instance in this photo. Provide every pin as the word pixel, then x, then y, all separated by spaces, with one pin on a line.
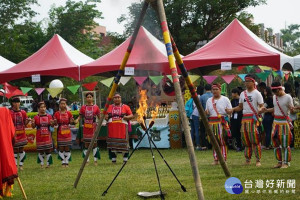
pixel 74 19
pixel 190 21
pixel 291 39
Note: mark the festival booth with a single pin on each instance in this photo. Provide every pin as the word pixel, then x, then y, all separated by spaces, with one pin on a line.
pixel 56 58
pixel 238 45
pixel 148 57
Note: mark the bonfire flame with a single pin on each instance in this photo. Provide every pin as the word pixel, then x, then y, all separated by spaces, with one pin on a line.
pixel 142 107
pixel 142 111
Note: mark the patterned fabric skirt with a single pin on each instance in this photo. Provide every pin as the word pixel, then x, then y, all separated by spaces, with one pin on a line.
pixel 20 139
pixel 43 142
pixel 118 144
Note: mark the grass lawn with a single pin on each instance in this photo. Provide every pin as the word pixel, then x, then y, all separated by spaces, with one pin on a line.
pixel 139 175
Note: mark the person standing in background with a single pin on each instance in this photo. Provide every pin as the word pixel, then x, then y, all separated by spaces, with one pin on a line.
pixel 236 119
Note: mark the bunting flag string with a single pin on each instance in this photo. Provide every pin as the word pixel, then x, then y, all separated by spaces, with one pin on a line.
pixel 194 78
pixel 242 76
pixel 156 79
pixel 140 80
pixel 125 79
pixel 249 68
pixel 73 88
pixel 39 90
pixel 90 86
pixel 54 91
pixel 107 82
pixel 286 76
pixel 263 76
pixel 274 74
pixel 25 89
pixel 209 79
pixel 240 68
pixel 228 78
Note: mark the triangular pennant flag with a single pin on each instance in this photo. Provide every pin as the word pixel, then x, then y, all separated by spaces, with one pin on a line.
pixel 54 91
pixel 156 79
pixel 25 89
pixel 90 86
pixel 107 82
pixel 286 76
pixel 264 68
pixel 242 76
pixel 263 76
pixel 280 73
pixel 194 78
pixel 39 90
pixel 249 68
pixel 125 79
pixel 73 88
pixel 170 77
pixel 224 89
pixel 228 78
pixel 209 79
pixel 240 68
pixel 140 79
pixel 274 74
pixel 1 86
pixel 258 70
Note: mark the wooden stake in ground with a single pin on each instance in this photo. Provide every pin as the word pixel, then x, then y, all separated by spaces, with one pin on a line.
pixel 184 120
pixel 22 189
pixel 113 90
pixel 200 109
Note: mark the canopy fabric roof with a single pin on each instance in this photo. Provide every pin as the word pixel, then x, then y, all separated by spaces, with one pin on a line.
pixel 55 58
pixel 5 64
pixel 148 53
pixel 297 62
pixel 237 44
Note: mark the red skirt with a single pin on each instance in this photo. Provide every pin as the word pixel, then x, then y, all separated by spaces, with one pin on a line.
pixel 43 141
pixel 20 138
pixel 88 132
pixel 64 136
pixel 117 140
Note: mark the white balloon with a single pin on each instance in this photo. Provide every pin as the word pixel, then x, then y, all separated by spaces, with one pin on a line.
pixel 56 83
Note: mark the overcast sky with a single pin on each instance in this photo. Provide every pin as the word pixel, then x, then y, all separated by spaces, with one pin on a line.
pixel 276 14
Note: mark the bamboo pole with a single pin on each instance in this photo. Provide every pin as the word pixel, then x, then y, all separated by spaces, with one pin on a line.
pixel 22 189
pixel 184 120
pixel 113 89
pixel 200 108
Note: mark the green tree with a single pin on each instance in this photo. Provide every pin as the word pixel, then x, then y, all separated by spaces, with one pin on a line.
pixel 74 22
pixel 291 39
pixel 190 21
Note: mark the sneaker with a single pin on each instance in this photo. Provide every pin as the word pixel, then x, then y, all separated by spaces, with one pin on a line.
pixel 21 167
pixel 63 165
pixel 114 162
pixel 258 164
pixel 203 148
pixel 95 163
pixel 42 166
pixel 67 165
pixel 48 166
pixel 278 165
pixel 284 166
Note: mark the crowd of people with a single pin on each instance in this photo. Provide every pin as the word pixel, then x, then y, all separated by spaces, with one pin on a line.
pixel 254 117
pixel 117 117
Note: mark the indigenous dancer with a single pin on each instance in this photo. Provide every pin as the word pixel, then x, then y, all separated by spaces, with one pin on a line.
pixel 281 133
pixel 8 169
pixel 216 108
pixel 252 104
pixel 20 120
pixel 118 116
pixel 63 119
pixel 42 122
pixel 88 113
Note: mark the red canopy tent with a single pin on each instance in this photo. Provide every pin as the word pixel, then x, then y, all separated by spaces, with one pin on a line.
pixel 148 53
pixel 55 58
pixel 237 44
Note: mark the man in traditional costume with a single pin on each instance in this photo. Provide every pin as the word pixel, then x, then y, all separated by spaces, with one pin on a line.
pixel 20 120
pixel 252 104
pixel 63 119
pixel 8 169
pixel 117 118
pixel 216 108
pixel 282 125
pixel 42 122
pixel 89 112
